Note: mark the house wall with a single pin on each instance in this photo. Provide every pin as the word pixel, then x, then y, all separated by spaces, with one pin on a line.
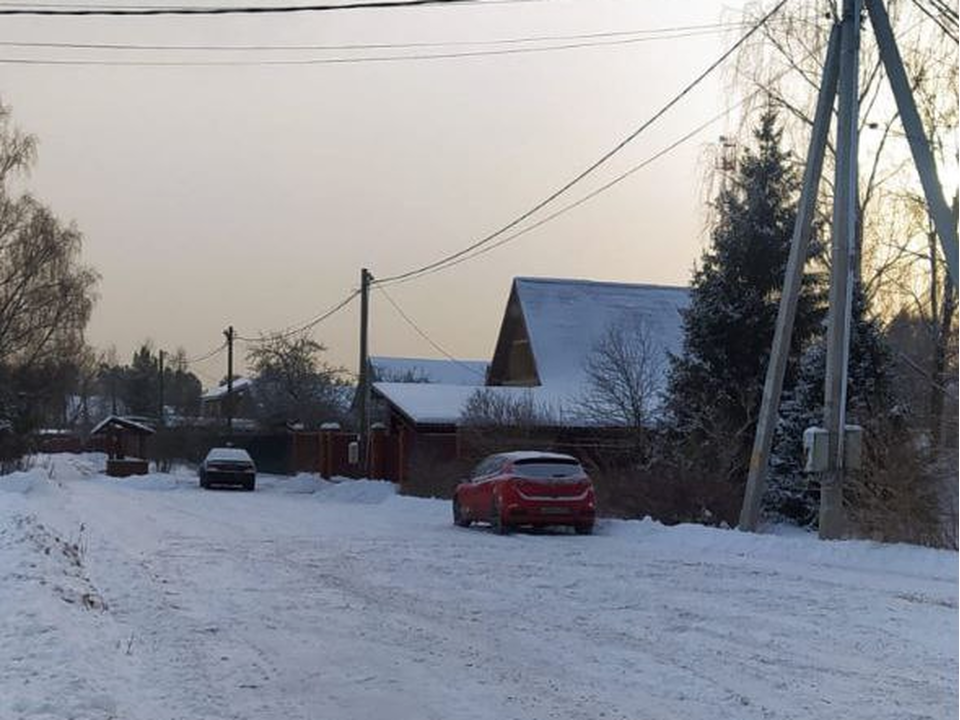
pixel 513 362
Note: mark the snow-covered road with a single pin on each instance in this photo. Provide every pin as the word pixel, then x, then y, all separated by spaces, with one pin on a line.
pixel 149 599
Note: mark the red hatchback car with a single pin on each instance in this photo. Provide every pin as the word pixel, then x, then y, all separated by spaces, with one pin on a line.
pixel 526 488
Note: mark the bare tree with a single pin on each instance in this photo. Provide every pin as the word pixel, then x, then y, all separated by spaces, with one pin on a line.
pixel 518 409
pixel 414 374
pixel 784 62
pixel 624 374
pixel 46 294
pixel 291 383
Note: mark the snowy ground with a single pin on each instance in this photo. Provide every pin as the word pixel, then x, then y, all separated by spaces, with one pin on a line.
pixel 151 599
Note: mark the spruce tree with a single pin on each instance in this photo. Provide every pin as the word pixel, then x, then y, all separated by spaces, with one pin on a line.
pixel 715 385
pixel 141 382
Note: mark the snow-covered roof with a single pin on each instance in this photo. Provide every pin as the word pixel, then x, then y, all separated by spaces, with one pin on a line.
pixel 123 423
pixel 427 403
pixel 437 404
pixel 563 321
pixel 448 372
pixel 566 318
pixel 220 391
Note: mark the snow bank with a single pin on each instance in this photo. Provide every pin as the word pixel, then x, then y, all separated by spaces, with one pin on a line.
pixel 364 492
pixel 791 547
pixel 34 481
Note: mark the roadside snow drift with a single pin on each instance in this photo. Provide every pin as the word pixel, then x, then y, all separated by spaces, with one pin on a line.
pixel 149 599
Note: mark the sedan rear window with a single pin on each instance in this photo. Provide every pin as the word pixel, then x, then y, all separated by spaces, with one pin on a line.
pixel 547 468
pixel 229 455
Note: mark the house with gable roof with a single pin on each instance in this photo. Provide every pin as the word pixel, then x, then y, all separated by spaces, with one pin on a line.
pixel 549 329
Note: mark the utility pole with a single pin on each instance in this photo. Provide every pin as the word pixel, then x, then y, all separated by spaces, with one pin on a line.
pixel 161 404
pixel 792 285
pixel 228 400
pixel 844 230
pixel 363 387
pixel 845 257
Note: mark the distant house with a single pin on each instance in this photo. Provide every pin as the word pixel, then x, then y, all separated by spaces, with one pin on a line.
pixel 125 443
pixel 549 329
pixel 212 401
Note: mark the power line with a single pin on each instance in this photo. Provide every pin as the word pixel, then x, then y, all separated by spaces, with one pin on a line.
pixel 946 10
pixel 596 164
pixel 119 11
pixel 207 355
pixel 937 21
pixel 302 327
pixel 424 335
pixel 344 60
pixel 668 32
pixel 590 196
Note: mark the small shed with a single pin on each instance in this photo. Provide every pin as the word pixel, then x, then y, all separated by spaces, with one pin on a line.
pixel 126 445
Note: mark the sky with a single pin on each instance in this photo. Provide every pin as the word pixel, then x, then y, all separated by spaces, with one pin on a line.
pixel 252 196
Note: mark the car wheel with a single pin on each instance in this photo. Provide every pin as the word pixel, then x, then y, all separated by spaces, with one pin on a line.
pixel 203 482
pixel 250 486
pixel 496 520
pixel 458 517
pixel 583 529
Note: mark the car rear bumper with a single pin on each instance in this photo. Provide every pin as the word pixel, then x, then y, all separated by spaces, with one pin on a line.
pixel 543 514
pixel 225 477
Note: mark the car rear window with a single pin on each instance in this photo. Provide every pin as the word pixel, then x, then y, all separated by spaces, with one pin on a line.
pixel 547 468
pixel 231 455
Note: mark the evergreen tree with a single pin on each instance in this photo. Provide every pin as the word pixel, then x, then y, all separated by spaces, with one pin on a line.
pixel 715 386
pixel 182 390
pixel 137 386
pixel 141 386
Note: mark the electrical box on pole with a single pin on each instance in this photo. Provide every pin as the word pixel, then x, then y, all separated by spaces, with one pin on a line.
pixel 815 450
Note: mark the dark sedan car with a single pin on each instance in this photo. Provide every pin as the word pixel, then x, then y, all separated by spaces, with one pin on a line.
pixel 228 466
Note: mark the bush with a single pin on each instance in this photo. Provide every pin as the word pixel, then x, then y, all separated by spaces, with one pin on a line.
pixel 667 494
pixel 14 452
pixel 626 488
pixel 900 497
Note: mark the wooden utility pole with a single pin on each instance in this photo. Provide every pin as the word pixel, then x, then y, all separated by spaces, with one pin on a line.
pixel 363 384
pixel 843 249
pixel 160 383
pixel 790 296
pixel 228 400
